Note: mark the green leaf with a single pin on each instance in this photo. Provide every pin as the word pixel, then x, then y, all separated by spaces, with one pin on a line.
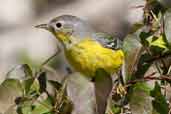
pixel 42 107
pixel 159 102
pixel 25 108
pixel 27 85
pixel 12 83
pixel 158 45
pixel 157 42
pixel 35 87
pixel 116 109
pixel 143 36
pixel 27 70
pixel 141 86
pixel 31 86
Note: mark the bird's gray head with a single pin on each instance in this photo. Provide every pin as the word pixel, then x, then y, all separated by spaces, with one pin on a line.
pixel 67 25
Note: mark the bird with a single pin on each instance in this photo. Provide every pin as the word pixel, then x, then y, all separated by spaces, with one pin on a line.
pixel 94 54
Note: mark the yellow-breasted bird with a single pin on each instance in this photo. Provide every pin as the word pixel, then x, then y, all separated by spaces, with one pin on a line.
pixel 93 54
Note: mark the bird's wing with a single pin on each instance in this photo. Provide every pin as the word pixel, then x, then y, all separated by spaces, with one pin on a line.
pixel 108 41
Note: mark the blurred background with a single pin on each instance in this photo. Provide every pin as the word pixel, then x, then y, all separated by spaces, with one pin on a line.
pixel 21 43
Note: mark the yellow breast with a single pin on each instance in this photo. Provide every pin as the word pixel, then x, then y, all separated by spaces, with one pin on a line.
pixel 87 56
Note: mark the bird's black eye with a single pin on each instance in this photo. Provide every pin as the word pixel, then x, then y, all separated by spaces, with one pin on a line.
pixel 58 25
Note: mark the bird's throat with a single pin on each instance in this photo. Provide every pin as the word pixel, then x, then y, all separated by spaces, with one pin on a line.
pixel 64 39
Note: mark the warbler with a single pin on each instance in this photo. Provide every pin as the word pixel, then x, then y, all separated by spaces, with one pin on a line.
pixel 95 55
pixel 85 49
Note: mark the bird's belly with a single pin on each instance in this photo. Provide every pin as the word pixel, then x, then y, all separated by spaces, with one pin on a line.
pixel 87 59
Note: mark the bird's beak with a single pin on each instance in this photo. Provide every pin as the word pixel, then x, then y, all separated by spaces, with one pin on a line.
pixel 42 26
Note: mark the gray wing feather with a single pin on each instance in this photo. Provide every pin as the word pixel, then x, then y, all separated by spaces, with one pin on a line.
pixel 108 41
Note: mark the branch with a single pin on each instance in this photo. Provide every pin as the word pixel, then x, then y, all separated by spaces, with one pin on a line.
pixel 149 78
pixel 138 6
pixel 156 58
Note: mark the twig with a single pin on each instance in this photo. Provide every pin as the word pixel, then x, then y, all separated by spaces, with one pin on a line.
pixel 156 58
pixel 139 80
pixel 50 58
pixel 138 6
pixel 46 61
pixel 155 17
pixel 149 78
